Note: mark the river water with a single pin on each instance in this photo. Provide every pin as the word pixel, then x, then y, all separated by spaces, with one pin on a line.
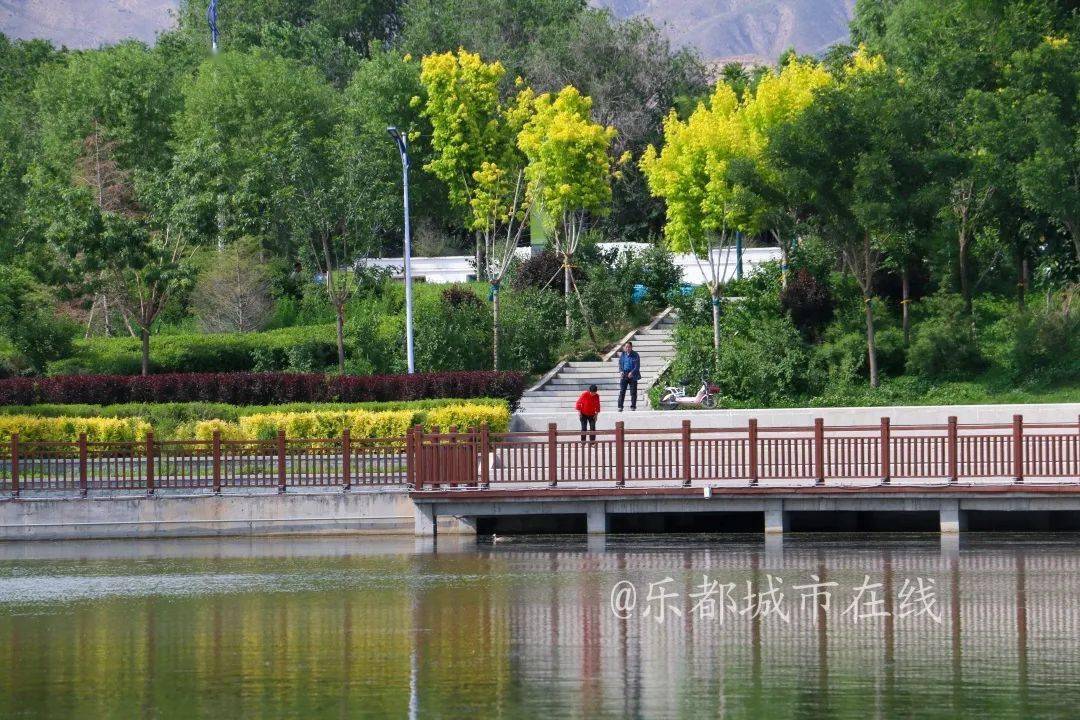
pixel 543 628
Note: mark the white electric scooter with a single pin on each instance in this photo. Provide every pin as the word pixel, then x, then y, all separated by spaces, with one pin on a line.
pixel 674 396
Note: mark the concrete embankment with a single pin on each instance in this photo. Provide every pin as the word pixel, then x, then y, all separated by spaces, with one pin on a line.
pixel 382 511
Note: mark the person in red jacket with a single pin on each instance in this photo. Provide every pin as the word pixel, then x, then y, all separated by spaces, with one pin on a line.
pixel 588 407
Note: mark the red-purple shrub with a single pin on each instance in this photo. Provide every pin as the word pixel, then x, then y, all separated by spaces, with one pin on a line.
pixel 16 391
pixel 259 388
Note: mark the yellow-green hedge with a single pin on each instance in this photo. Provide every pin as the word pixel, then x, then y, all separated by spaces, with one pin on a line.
pixel 33 429
pixel 263 426
pixel 468 416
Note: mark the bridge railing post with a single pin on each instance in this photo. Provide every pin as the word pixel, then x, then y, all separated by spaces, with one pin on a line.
pixel 685 446
pixel 819 451
pixel 485 452
pixel 752 450
pixel 281 476
pixel 83 462
pixel 150 463
pixel 952 450
pixel 14 446
pixel 414 468
pixel 553 455
pixel 620 454
pixel 1018 448
pixel 216 461
pixel 346 460
pixel 886 451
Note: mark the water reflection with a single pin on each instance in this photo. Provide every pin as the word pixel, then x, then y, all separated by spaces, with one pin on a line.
pixel 350 627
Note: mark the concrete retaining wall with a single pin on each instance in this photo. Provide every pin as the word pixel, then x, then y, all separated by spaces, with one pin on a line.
pixel 900 415
pixel 386 511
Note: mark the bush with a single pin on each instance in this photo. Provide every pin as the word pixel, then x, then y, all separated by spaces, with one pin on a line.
pixel 538 272
pixel 1047 341
pixel 199 353
pixel 360 423
pixel 260 388
pixel 65 429
pixel 530 329
pixel 944 347
pixel 183 419
pixel 469 416
pixel 842 358
pixel 453 331
pixel 764 362
pixel 809 301
pixel 761 358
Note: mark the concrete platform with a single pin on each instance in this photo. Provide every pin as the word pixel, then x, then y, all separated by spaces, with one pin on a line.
pixel 950 503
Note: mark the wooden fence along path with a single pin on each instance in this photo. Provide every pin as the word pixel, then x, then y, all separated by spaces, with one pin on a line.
pixel 479 459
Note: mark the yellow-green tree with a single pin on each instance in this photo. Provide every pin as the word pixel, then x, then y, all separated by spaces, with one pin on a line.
pixel 758 196
pixel 715 174
pixel 569 169
pixel 474 136
pixel 690 173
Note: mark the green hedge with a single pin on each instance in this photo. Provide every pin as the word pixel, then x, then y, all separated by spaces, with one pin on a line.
pixel 301 349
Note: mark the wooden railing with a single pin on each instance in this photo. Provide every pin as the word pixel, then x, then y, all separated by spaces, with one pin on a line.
pixel 476 459
pixel 214 464
pixel 751 454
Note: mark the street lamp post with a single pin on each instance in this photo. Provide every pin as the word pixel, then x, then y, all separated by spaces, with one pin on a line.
pixel 403 148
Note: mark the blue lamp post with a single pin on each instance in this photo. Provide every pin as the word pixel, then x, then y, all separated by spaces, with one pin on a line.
pixel 403 148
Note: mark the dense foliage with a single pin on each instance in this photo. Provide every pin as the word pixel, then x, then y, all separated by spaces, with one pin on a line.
pixel 922 185
pixel 143 186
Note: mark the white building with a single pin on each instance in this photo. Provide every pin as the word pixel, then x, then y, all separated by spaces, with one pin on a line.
pixel 462 268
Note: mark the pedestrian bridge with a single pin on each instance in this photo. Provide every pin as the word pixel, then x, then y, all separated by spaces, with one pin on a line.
pixel 754 477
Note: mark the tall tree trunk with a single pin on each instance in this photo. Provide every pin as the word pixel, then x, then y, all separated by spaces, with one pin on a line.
pixel 567 282
pixel 783 264
pixel 495 328
pixel 1021 283
pixel 715 294
pixel 1073 226
pixel 905 302
pixel 871 348
pixel 144 334
pixel 962 268
pixel 339 310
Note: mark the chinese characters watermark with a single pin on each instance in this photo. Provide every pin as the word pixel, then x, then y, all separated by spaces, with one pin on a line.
pixel 715 600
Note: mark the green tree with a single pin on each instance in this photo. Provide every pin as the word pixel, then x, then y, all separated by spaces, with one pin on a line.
pixel 356 22
pixel 248 121
pixel 855 154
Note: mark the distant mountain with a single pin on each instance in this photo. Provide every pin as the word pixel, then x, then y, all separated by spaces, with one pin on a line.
pixel 85 23
pixel 746 30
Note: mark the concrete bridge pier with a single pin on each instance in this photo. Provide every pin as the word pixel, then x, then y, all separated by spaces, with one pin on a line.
pixel 953 519
pixel 596 518
pixel 776 519
pixel 424 519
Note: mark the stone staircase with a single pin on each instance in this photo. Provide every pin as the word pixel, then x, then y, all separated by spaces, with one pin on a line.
pixel 559 389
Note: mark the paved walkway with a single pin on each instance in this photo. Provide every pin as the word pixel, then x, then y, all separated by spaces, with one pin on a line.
pixel 558 390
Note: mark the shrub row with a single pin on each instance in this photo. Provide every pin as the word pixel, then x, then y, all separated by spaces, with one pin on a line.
pixel 308 347
pixel 260 388
pixel 261 426
pixel 35 429
pixel 361 423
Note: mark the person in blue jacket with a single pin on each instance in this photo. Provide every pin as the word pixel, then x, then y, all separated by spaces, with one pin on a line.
pixel 629 374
